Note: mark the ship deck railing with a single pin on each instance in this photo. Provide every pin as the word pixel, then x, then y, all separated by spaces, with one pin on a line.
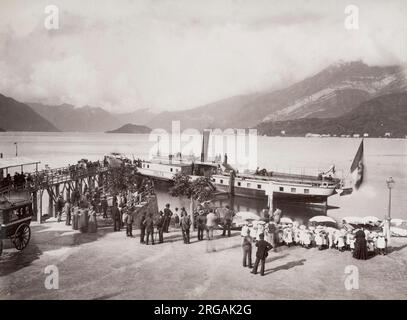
pixel 292 178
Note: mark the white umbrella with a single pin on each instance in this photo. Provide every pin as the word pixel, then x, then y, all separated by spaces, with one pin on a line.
pixel 354 220
pixel 398 232
pixel 286 220
pixel 396 222
pixel 371 219
pixel 247 215
pixel 322 219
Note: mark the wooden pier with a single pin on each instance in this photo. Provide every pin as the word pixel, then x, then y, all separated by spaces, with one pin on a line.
pixel 59 182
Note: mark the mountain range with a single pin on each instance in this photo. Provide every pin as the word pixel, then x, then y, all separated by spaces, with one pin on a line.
pixel 17 116
pixel 333 92
pixel 87 119
pixel 375 117
pixel 330 93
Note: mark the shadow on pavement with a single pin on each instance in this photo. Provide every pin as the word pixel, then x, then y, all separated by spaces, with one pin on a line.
pixel 271 259
pixel 46 237
pixel 286 266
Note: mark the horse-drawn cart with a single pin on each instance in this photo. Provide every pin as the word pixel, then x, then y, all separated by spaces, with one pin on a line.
pixel 15 219
pixel 16 207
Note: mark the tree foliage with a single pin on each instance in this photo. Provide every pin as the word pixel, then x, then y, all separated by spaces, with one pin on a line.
pixel 182 186
pixel 197 189
pixel 122 178
pixel 201 190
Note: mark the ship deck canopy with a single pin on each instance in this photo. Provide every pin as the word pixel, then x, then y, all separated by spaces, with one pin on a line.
pixel 6 163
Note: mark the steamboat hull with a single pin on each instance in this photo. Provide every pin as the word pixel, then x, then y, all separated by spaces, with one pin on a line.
pixel 261 195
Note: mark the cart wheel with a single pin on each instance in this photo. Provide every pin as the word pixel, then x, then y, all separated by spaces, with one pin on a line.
pixel 22 236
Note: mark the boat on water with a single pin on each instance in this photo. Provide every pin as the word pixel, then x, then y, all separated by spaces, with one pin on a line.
pixel 252 185
pixel 257 184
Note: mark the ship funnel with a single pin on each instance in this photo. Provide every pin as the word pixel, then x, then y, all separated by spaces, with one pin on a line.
pixel 205 145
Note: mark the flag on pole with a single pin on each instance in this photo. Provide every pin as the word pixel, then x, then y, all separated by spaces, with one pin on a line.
pixel 357 167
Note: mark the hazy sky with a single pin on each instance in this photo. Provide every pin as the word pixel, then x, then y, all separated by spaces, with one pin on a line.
pixel 168 55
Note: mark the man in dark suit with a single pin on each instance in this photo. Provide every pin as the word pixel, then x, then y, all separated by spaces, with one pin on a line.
pixel 227 221
pixel 247 249
pixel 167 217
pixel 160 227
pixel 201 224
pixel 149 223
pixel 142 227
pixel 104 204
pixel 263 248
pixel 185 225
pixel 116 217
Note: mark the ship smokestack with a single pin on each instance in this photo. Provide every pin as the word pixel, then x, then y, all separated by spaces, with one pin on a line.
pixel 205 145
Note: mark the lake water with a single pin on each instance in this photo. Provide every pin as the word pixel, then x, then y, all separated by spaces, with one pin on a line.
pixel 383 158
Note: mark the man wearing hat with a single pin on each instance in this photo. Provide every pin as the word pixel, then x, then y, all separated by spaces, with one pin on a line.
pixel 104 206
pixel 149 223
pixel 142 227
pixel 116 217
pixel 59 206
pixel 160 227
pixel 167 217
pixel 227 223
pixel 128 221
pixel 201 221
pixel 263 248
pixel 67 209
pixel 247 249
pixel 185 225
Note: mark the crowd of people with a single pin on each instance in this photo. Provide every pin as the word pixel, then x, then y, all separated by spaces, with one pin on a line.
pixel 361 241
pixel 206 220
pixel 265 234
pixel 22 180
pixel 17 181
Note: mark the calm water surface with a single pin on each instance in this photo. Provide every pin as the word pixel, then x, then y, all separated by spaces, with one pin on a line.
pixel 383 158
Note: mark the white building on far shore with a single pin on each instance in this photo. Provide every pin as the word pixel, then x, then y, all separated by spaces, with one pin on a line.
pixel 312 135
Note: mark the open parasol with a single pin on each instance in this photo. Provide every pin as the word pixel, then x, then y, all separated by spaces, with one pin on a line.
pixel 247 215
pixel 370 219
pixel 354 220
pixel 396 222
pixel 322 219
pixel 285 220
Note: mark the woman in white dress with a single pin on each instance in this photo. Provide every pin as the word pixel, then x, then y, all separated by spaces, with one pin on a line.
pixel 307 238
pixel 288 236
pixel 330 236
pixel 381 244
pixel 340 241
pixel 319 238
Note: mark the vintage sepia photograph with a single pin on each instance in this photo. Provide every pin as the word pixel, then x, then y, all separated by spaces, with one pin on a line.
pixel 195 150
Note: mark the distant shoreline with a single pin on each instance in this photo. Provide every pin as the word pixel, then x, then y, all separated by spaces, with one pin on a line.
pixel 138 133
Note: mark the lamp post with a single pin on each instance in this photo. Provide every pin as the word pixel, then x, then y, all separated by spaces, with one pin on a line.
pixel 390 185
